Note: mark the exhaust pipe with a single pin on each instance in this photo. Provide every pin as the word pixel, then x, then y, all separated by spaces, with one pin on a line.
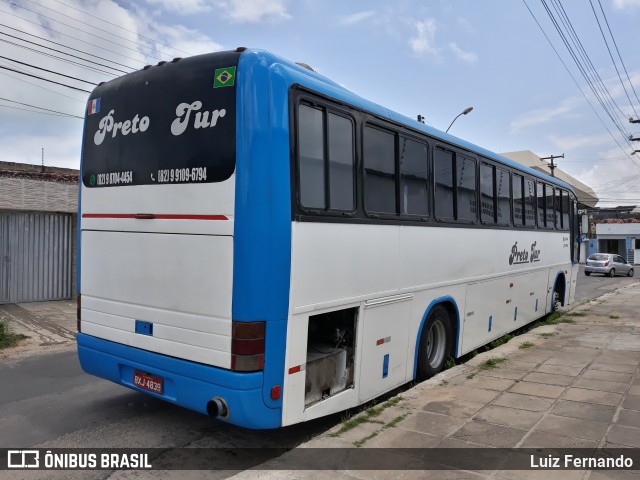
pixel 217 408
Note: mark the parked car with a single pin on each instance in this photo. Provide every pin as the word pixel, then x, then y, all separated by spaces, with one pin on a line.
pixel 607 264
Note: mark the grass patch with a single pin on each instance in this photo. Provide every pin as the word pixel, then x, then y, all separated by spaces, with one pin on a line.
pixel 526 345
pixel 450 362
pixel 364 440
pixel 546 334
pixel 7 337
pixel 613 317
pixel 576 314
pixel 501 341
pixel 444 383
pixel 367 416
pixel 492 363
pixel 396 421
pixel 470 376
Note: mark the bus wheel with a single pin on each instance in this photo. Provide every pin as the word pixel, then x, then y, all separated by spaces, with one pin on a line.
pixel 435 343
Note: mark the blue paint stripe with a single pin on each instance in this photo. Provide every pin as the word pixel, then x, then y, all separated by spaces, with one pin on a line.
pixel 490 320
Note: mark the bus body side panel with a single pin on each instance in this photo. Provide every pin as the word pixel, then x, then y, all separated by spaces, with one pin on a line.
pixel 262 249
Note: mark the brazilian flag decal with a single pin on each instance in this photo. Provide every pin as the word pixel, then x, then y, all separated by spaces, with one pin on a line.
pixel 224 77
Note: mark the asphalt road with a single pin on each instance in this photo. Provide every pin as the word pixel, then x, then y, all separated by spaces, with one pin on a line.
pixel 47 401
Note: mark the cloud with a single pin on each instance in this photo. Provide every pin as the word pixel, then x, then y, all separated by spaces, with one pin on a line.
pixel 621 4
pixel 354 18
pixel 424 41
pixel 469 57
pixel 254 11
pixel 573 142
pixel 544 115
pixel 185 7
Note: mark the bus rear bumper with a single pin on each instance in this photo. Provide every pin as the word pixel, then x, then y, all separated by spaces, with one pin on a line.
pixel 188 384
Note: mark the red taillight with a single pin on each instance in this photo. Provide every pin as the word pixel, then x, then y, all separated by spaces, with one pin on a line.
pixel 78 307
pixel 247 346
pixel 606 264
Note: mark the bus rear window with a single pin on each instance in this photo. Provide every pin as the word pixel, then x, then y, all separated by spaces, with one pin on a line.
pixel 148 128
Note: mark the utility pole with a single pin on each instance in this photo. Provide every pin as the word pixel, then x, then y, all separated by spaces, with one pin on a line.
pixel 552 165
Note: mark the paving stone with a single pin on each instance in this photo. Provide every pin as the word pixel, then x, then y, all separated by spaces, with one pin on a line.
pixel 473 394
pixel 501 372
pixel 549 378
pixel 613 367
pixel 613 475
pixel 520 365
pixel 632 402
pixel 400 438
pixel 559 370
pixel 432 423
pixel 578 427
pixel 569 362
pixel 553 440
pixel 587 411
pixel 538 389
pixel 601 385
pixel 510 417
pixel 634 390
pixel 628 418
pixel 523 402
pixel 623 435
pixel 592 396
pixel 489 434
pixel 453 408
pixel 609 376
pixel 619 359
pixel 489 383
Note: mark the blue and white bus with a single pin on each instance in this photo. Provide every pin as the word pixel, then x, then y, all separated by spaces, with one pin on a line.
pixel 261 245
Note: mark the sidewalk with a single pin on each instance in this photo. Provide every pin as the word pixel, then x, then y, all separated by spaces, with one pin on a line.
pixel 50 326
pixel 571 385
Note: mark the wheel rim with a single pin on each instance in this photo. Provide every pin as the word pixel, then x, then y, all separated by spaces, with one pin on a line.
pixel 436 343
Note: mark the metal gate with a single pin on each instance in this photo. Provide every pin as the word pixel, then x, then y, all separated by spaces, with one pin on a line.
pixel 35 257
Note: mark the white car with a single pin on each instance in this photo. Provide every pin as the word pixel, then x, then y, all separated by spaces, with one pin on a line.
pixel 608 264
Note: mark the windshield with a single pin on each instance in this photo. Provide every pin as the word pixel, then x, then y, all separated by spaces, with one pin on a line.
pixel 170 123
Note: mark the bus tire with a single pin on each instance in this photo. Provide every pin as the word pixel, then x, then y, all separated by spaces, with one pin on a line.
pixel 435 343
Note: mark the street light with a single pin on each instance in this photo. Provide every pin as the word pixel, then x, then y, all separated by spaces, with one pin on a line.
pixel 464 112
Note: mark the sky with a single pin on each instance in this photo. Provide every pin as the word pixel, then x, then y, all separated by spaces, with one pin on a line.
pixel 435 58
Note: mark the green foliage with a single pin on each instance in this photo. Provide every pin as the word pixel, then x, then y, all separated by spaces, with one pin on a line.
pixel 7 337
pixel 492 363
pixel 524 345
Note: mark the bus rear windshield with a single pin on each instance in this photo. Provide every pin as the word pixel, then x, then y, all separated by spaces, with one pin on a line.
pixel 170 123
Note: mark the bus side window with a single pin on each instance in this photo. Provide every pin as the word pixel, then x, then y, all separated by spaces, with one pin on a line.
pixel 487 193
pixel 503 192
pixel 518 204
pixel 380 171
pixel 414 175
pixel 466 198
pixel 443 176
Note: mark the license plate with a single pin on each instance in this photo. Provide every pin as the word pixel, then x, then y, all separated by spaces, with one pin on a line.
pixel 148 382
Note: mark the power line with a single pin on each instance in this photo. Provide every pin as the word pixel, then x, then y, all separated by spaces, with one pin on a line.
pixel 62 59
pixel 74 38
pixel 76 28
pixel 64 115
pixel 41 108
pixel 65 46
pixel 49 71
pixel 618 51
pixel 610 54
pixel 121 27
pixel 40 86
pixel 45 79
pixel 576 82
pixel 95 27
